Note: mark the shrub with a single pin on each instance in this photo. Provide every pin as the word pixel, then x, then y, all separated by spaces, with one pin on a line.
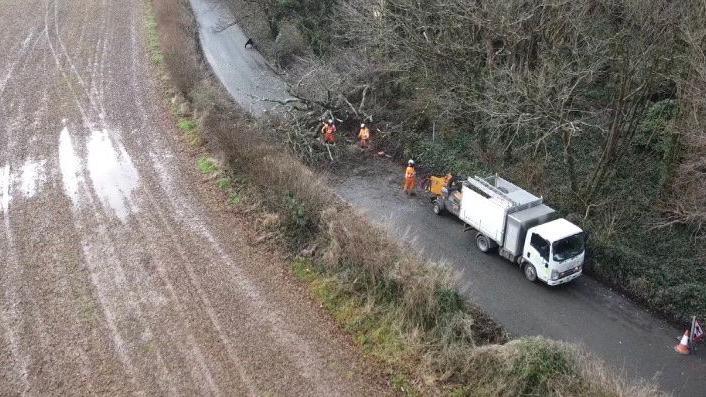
pixel 288 44
pixel 177 44
pixel 540 367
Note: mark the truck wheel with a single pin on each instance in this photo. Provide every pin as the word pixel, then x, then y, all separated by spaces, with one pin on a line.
pixel 530 272
pixel 482 243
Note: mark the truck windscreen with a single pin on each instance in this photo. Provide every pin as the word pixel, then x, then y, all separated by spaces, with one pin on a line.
pixel 568 247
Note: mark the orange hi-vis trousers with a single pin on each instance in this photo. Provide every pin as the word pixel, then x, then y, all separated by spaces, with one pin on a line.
pixel 410 184
pixel 330 138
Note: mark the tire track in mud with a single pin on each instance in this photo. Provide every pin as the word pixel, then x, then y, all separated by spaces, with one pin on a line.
pixel 90 115
pixel 195 352
pixel 268 318
pixel 248 296
pixel 96 105
pixel 59 52
pixel 9 310
pixel 121 305
pixel 199 301
pixel 140 273
pixel 35 326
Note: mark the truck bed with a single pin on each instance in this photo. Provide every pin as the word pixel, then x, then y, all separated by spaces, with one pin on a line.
pixel 502 211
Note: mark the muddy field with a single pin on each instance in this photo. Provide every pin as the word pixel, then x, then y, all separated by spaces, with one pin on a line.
pixel 120 270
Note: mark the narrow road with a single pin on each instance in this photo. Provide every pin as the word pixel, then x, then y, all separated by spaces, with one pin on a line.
pixel 120 270
pixel 252 82
pixel 584 312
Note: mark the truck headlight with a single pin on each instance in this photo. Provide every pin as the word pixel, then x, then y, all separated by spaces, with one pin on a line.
pixel 555 275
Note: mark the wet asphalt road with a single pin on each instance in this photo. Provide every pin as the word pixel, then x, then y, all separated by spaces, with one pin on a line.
pixel 252 82
pixel 628 338
pixel 121 270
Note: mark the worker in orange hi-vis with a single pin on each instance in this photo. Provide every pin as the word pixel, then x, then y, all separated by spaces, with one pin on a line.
pixel 329 131
pixel 448 179
pixel 364 136
pixel 410 178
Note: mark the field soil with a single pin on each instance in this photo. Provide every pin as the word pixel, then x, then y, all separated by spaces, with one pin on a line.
pixel 121 270
pixel 585 312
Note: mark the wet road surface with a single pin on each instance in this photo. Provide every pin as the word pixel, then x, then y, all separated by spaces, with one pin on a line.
pixel 628 338
pixel 252 82
pixel 120 270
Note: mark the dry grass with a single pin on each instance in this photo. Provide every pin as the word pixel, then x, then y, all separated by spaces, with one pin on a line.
pixel 406 313
pixel 541 367
pixel 178 44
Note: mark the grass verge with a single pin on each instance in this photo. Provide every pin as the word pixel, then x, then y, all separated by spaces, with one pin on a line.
pixel 153 37
pixel 405 314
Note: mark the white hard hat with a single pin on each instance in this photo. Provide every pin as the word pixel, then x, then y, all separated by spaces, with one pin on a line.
pixel 362 125
pixel 410 162
pixel 330 120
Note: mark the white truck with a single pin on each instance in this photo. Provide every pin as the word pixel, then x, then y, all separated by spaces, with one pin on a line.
pixel 523 229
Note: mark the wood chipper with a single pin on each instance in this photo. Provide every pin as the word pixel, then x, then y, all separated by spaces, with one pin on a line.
pixel 445 193
pixel 438 183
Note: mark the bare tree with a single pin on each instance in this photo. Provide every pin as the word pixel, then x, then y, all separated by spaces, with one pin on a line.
pixel 687 203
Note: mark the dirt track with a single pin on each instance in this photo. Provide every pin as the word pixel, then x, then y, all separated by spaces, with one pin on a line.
pixel 119 272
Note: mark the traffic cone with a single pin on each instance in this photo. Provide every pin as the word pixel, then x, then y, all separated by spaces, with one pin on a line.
pixel 683 346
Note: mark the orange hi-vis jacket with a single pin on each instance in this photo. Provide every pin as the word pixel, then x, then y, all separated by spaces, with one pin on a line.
pixel 410 172
pixel 448 178
pixel 328 131
pixel 364 134
pixel 410 180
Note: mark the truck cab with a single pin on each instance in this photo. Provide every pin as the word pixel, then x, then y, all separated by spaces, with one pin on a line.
pixel 554 252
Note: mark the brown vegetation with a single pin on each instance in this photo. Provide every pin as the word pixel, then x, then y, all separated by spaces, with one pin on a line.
pixel 687 203
pixel 177 43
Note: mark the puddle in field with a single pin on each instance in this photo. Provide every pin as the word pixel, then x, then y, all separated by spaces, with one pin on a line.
pixel 112 173
pixel 5 182
pixel 32 175
pixel 25 181
pixel 70 165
